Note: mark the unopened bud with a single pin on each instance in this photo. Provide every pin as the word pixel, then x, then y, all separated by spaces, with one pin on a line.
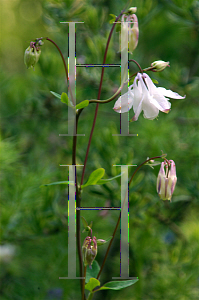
pixel 31 55
pixel 159 65
pixel 89 250
pixel 100 242
pixel 166 182
pixel 132 10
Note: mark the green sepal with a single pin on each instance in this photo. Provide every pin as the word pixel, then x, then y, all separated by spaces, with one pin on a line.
pixel 86 226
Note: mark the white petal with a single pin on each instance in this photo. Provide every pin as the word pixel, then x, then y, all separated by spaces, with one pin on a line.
pixel 151 86
pixel 138 109
pixel 169 93
pixel 160 102
pixel 137 91
pixel 141 85
pixel 124 103
pixel 150 110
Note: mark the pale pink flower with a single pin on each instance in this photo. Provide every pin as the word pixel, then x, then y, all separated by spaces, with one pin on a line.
pixel 166 182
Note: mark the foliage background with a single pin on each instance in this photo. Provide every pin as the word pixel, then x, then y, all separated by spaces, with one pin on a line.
pixel 163 236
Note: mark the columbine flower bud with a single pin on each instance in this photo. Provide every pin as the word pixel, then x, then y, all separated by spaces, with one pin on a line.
pixel 132 10
pixel 159 65
pixel 31 55
pixel 89 250
pixel 128 31
pixel 166 182
pixel 100 242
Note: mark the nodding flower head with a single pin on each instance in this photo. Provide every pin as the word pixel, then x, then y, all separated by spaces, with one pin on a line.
pixel 89 250
pixel 144 95
pixel 166 181
pixel 129 31
pixel 32 54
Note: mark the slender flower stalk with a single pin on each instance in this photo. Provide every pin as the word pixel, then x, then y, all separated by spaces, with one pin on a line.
pixel 99 94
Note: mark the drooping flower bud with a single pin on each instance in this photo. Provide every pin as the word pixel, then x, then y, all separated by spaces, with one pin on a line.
pixel 31 55
pixel 101 242
pixel 132 10
pixel 129 31
pixel 166 182
pixel 89 250
pixel 159 65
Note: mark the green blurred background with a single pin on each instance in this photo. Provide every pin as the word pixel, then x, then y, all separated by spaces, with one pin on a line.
pixel 164 248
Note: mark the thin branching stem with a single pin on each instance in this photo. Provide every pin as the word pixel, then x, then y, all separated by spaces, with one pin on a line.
pixel 118 221
pixel 98 98
pixel 65 67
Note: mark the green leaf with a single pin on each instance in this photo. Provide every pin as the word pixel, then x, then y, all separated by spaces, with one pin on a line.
pixel 94 177
pixel 117 285
pixel 154 81
pixel 103 181
pixel 99 181
pixel 56 95
pixel 58 182
pixel 64 99
pixel 112 19
pixel 92 273
pixel 82 104
pixel 93 282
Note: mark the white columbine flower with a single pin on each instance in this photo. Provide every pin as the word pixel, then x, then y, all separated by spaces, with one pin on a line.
pixel 144 95
pixel 166 182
